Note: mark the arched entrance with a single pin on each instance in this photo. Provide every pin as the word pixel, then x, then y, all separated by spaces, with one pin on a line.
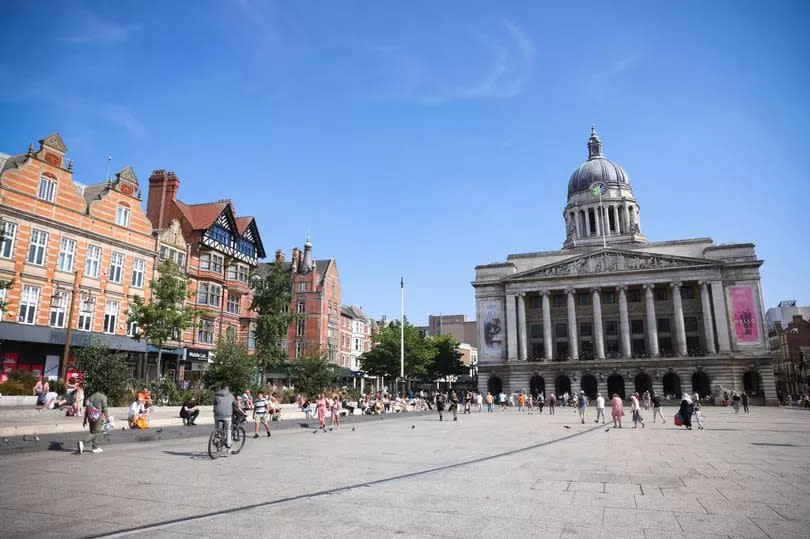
pixel 672 385
pixel 615 384
pixel 701 383
pixel 643 383
pixel 494 385
pixel 752 383
pixel 562 384
pixel 589 385
pixel 537 385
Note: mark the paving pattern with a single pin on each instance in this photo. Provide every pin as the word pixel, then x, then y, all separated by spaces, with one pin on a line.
pixel 505 474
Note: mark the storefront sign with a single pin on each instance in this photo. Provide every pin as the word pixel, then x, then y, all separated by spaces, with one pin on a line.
pixel 198 355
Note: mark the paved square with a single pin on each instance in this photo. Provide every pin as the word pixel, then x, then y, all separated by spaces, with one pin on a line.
pixel 505 474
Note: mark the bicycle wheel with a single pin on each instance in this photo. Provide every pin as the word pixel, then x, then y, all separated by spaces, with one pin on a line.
pixel 215 444
pixel 237 439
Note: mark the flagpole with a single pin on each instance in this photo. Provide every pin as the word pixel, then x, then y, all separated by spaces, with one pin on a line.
pixel 602 218
pixel 402 329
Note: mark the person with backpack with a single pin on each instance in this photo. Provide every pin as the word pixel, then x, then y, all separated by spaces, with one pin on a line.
pixel 440 404
pixel 582 403
pixel 454 404
pixel 96 413
pixel 657 410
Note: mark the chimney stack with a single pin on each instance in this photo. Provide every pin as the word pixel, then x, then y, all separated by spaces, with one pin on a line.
pixel 163 187
pixel 294 259
pixel 279 256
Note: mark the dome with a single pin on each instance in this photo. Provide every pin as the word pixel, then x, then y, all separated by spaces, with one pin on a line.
pixel 596 169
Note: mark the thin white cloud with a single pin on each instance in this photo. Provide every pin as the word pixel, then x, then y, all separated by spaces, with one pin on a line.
pixel 121 116
pixel 501 62
pixel 91 29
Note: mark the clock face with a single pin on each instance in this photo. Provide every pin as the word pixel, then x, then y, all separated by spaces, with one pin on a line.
pixel 598 189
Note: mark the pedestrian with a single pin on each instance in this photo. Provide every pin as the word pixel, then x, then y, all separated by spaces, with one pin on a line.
pixel 745 401
pixel 468 403
pixel 600 408
pixel 735 402
pixel 529 402
pixel 541 400
pixel 699 416
pixel 335 409
pixel 440 404
pixel 320 408
pixel 552 399
pixel 635 408
pixel 502 400
pixel 490 400
pixel 616 410
pixel 96 413
pixel 260 414
pixel 657 410
pixel 521 402
pixel 479 401
pixel 454 404
pixel 582 403
pixel 685 411
pixel 647 399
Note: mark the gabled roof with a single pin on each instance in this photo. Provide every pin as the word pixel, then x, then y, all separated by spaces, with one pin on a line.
pixel 93 192
pixel 242 223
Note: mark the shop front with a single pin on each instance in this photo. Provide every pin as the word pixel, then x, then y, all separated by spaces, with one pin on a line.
pixel 195 364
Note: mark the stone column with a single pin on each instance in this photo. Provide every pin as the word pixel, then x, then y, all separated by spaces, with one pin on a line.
pixel 547 344
pixel 627 217
pixel 511 328
pixel 577 224
pixel 624 322
pixel 652 325
pixel 573 344
pixel 587 222
pixel 598 220
pixel 721 316
pixel 616 222
pixel 598 337
pixel 521 305
pixel 708 324
pixel 680 329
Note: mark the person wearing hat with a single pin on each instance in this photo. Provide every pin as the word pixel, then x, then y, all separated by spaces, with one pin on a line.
pixel 582 403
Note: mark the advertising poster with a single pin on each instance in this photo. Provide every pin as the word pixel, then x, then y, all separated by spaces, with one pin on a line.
pixel 51 367
pixel 745 314
pixel 493 327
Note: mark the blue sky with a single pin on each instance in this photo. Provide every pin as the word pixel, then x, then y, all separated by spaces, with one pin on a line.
pixel 427 137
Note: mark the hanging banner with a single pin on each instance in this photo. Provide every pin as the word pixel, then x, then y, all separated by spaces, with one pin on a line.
pixel 744 311
pixel 493 327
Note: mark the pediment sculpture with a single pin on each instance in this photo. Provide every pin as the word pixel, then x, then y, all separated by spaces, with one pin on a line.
pixel 612 262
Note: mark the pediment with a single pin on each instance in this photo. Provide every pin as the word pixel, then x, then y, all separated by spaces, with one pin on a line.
pixel 612 261
pixel 54 142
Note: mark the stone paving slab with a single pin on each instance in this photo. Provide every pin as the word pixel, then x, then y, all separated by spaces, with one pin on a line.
pixel 504 474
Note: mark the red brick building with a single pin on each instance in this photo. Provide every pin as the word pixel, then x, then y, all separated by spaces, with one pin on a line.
pixel 223 251
pixel 66 243
pixel 316 297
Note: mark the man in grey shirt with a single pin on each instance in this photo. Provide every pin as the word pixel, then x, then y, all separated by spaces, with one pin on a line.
pixel 223 412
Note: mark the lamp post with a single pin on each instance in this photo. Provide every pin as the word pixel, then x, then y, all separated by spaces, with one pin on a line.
pixel 69 324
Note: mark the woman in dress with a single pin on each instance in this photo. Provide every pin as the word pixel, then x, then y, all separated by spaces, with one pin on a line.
pixel 617 410
pixel 686 411
pixel 335 409
pixel 320 407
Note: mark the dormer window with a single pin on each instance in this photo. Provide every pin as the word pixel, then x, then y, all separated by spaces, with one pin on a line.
pixel 122 215
pixel 47 189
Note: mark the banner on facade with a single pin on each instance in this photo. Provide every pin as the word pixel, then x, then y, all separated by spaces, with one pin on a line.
pixel 744 311
pixel 493 327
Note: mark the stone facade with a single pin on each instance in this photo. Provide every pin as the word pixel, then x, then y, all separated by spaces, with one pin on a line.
pixel 612 312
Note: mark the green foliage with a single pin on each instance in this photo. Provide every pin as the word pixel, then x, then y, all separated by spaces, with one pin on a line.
pixel 446 359
pixel 14 389
pixel 312 374
pixel 272 294
pixel 58 386
pixel 384 357
pixel 164 392
pixel 26 378
pixel 231 366
pixel 104 370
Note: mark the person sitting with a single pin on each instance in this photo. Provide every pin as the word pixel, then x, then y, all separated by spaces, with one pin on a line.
pixel 137 415
pixel 144 397
pixel 52 401
pixel 40 389
pixel 189 412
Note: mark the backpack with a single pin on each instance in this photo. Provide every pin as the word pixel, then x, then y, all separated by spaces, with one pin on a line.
pixel 93 413
pixel 581 400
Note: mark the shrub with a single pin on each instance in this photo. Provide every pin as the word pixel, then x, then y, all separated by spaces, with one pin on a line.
pixel 23 377
pixel 164 392
pixel 14 388
pixel 104 370
pixel 58 386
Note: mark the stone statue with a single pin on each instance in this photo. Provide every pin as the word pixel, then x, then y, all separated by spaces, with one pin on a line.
pixel 634 228
pixel 571 230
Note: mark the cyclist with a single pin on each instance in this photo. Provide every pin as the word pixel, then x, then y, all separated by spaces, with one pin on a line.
pixel 223 411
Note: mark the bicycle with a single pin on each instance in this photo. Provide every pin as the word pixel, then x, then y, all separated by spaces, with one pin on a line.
pixel 216 442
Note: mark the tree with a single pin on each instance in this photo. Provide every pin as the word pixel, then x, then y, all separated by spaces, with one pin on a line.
pixel 384 357
pixel 166 315
pixel 104 370
pixel 445 357
pixel 312 374
pixel 272 294
pixel 231 366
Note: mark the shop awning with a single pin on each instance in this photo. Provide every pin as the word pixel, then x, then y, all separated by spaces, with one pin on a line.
pixel 12 331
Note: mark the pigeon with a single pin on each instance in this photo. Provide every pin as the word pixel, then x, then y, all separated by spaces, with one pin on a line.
pixel 36 437
pixel 352 429
pixel 566 427
pixel 315 431
pixel 607 429
pixel 413 426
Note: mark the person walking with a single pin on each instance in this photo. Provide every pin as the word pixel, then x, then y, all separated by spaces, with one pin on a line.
pixel 657 411
pixel 502 400
pixel 454 404
pixel 260 414
pixel 440 405
pixel 745 401
pixel 479 401
pixel 552 399
pixel 541 400
pixel 686 410
pixel 224 404
pixel 521 402
pixel 600 408
pixel 635 408
pixel 735 402
pixel 582 404
pixel 490 400
pixel 647 399
pixel 320 408
pixel 699 416
pixel 96 413
pixel 616 410
pixel 335 410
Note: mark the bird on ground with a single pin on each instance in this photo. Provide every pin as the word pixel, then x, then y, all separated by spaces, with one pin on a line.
pixel 315 431
pixel 413 426
pixel 566 427
pixel 352 429
pixel 607 429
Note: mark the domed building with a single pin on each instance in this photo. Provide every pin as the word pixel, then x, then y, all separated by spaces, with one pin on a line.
pixel 612 312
